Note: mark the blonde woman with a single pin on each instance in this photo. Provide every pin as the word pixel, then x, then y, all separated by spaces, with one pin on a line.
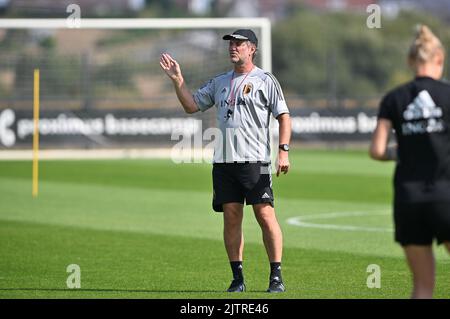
pixel 419 113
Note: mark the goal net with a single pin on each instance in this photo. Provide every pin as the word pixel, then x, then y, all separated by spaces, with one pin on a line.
pixel 107 71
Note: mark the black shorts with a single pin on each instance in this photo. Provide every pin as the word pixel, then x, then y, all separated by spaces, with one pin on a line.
pixel 421 223
pixel 236 182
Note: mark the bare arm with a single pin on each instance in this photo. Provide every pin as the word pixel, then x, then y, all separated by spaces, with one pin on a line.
pixel 379 149
pixel 173 71
pixel 284 121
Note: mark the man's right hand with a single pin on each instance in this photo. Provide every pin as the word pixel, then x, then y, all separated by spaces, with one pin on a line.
pixel 171 67
pixel 173 71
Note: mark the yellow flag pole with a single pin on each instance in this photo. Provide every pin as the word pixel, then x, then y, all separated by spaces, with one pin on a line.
pixel 36 133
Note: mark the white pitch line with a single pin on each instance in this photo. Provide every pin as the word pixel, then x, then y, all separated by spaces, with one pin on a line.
pixel 300 221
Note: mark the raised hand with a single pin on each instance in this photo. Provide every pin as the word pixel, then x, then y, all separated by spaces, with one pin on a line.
pixel 173 71
pixel 170 66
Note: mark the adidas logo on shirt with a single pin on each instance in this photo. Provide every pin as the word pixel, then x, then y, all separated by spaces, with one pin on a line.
pixel 423 116
pixel 423 107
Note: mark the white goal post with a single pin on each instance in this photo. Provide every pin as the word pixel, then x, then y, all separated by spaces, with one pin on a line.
pixel 157 23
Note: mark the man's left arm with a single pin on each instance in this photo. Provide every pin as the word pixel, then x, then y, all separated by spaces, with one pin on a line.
pixel 284 121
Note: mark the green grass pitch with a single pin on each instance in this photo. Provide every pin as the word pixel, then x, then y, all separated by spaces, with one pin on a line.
pixel 145 229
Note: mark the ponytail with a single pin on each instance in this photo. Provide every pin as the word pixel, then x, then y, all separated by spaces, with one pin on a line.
pixel 424 46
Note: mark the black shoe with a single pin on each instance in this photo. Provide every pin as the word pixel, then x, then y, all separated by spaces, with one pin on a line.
pixel 276 285
pixel 236 286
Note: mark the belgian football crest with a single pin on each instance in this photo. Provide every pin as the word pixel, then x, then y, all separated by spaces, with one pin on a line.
pixel 247 88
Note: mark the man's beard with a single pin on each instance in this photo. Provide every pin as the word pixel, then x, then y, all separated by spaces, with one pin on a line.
pixel 237 62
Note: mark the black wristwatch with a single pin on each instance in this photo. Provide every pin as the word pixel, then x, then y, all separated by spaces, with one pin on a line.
pixel 284 147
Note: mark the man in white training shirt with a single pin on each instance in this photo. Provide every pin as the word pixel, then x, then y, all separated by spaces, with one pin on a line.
pixel 245 98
